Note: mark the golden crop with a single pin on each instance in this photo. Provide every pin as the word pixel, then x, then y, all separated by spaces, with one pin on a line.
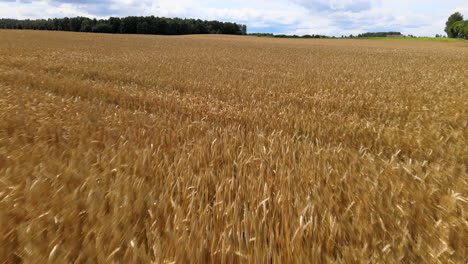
pixel 227 149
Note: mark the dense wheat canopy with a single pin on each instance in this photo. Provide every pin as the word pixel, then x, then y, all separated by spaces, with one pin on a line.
pixel 225 149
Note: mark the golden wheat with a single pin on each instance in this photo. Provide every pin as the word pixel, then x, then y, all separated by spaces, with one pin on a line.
pixel 228 149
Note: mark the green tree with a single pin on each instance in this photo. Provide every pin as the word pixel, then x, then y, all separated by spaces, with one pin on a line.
pixel 143 28
pixel 455 17
pixel 129 25
pixel 75 24
pixel 86 25
pixel 459 29
pixel 244 30
pixel 115 23
pixel 102 28
pixel 64 24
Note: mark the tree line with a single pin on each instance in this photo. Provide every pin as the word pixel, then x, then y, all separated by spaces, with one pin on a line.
pixel 271 35
pixel 456 27
pixel 378 34
pixel 129 25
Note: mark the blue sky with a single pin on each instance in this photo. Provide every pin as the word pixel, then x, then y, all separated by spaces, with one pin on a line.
pixel 329 17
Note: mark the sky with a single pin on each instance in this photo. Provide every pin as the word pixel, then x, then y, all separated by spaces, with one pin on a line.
pixel 332 17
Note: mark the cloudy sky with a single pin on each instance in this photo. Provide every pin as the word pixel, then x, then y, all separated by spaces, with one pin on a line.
pixel 329 17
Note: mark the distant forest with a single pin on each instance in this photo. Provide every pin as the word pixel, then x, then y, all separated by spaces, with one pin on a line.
pixel 363 35
pixel 129 25
pixel 377 34
pixel 271 35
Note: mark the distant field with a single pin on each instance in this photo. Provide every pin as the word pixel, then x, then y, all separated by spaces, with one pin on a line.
pixel 420 39
pixel 381 38
pixel 225 149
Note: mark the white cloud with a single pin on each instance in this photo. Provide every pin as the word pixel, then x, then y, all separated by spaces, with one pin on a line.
pixel 38 10
pixel 333 5
pixel 331 17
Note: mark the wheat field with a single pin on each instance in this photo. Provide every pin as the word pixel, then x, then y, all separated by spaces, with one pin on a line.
pixel 231 149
